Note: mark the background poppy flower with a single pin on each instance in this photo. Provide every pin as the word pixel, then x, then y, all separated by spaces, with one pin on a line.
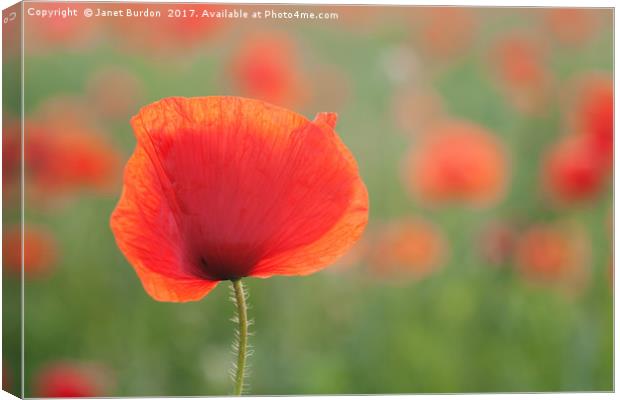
pixel 573 171
pixel 64 161
pixel 39 250
pixel 221 188
pixel 553 253
pixel 406 249
pixel 72 379
pixel 594 113
pixel 518 61
pixel 446 31
pixel 457 161
pixel 571 26
pixel 267 67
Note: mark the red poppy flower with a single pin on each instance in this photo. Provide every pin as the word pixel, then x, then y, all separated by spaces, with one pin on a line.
pixel 407 249
pixel 39 250
pixel 573 171
pixel 553 253
pixel 267 68
pixel 594 113
pixel 457 161
pixel 221 188
pixel 71 379
pixel 60 162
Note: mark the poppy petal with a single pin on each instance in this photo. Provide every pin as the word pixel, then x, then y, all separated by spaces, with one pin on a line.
pixel 256 189
pixel 149 237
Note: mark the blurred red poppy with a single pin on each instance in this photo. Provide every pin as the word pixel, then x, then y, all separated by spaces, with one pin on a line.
pixel 61 161
pixel 554 253
pixel 573 171
pixel 457 161
pixel 266 67
pixel 594 113
pixel 518 62
pixel 39 250
pixel 412 248
pixel 220 188
pixel 72 379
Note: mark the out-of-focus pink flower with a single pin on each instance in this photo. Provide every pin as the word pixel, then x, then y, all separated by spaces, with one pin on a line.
pixel 267 67
pixel 411 249
pixel 457 162
pixel 72 379
pixel 40 251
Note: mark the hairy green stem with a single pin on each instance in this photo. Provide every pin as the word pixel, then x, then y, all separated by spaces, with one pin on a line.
pixel 242 335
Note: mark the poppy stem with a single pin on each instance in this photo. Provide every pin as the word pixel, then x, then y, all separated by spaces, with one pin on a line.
pixel 241 344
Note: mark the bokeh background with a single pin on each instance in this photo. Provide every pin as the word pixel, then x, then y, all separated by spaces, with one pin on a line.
pixel 484 135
